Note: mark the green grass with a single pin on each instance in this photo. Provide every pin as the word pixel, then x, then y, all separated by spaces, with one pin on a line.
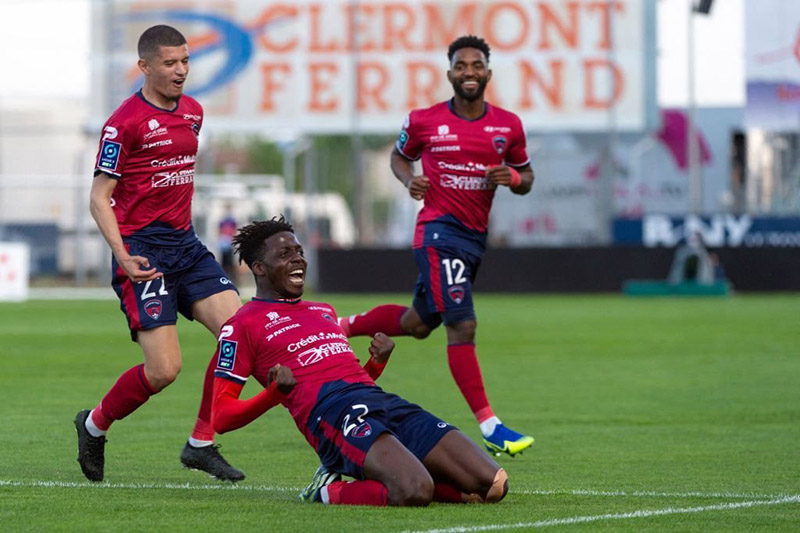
pixel 636 405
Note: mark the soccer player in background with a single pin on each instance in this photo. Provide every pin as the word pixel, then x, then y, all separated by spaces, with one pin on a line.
pixel 398 453
pixel 468 148
pixel 141 201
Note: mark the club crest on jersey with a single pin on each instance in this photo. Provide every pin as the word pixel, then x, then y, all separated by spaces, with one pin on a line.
pixel 109 155
pixel 364 430
pixel 456 293
pixel 499 144
pixel 227 354
pixel 153 309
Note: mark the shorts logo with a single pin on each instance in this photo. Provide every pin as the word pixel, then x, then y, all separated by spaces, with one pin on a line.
pixel 441 425
pixel 364 430
pixel 499 144
pixel 224 281
pixel 109 155
pixel 227 354
pixel 456 293
pixel 153 309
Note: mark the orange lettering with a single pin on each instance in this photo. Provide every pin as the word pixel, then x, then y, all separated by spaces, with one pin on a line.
pixel 373 78
pixel 489 25
pixel 396 34
pixel 315 24
pixel 591 100
pixel 438 33
pixel 319 85
pixel 358 25
pixel 605 21
pixel 423 80
pixel 531 78
pixel 273 74
pixel 568 31
pixel 276 12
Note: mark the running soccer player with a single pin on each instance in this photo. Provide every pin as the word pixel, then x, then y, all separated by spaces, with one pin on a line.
pixel 398 453
pixel 141 201
pixel 468 148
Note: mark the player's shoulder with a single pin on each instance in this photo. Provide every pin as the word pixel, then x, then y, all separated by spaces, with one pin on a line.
pixel 189 104
pixel 428 114
pixel 502 113
pixel 128 111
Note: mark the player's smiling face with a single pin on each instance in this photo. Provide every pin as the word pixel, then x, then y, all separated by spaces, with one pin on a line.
pixel 284 267
pixel 469 73
pixel 166 72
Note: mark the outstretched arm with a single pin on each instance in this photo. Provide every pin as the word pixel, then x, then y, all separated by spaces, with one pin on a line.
pixel 379 351
pixel 228 412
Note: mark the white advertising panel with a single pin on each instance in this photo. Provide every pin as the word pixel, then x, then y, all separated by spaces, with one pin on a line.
pixel 14 271
pixel 337 66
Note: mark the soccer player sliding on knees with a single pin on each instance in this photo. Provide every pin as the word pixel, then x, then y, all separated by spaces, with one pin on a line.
pixel 396 452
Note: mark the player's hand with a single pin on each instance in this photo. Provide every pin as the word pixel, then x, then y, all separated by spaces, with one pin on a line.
pixel 418 186
pixel 282 377
pixel 381 348
pixel 499 175
pixel 138 268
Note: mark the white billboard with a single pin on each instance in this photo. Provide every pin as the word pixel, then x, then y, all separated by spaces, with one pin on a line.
pixel 338 66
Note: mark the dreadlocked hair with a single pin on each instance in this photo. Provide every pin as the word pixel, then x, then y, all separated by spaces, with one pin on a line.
pixel 467 41
pixel 249 244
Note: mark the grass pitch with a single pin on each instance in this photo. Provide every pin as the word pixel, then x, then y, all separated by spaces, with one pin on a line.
pixel 658 414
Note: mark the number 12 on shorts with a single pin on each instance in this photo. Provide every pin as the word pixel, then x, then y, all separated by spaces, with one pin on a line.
pixel 454 266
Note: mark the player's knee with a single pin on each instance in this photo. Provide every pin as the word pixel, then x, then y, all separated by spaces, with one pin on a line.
pixel 420 332
pixel 415 493
pixel 161 377
pixel 499 487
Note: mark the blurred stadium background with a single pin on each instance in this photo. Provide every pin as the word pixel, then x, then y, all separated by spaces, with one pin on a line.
pixel 304 100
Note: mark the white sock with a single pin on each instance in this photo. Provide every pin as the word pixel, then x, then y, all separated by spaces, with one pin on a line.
pixel 93 430
pixel 488 425
pixel 199 443
pixel 323 495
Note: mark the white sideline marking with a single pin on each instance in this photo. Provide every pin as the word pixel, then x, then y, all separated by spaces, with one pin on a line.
pixel 106 485
pixel 648 493
pixel 620 516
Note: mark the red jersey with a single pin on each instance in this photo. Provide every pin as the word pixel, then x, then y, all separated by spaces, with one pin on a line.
pixel 305 336
pixel 455 154
pixel 151 151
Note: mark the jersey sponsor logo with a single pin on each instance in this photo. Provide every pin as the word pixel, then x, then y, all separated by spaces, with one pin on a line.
pixel 456 293
pixel 165 142
pixel 155 133
pixel 319 337
pixel 153 309
pixel 227 354
pixel 187 116
pixel 169 179
pixel 153 124
pixel 446 148
pixel 499 144
pixel 444 129
pixel 320 308
pixel 448 137
pixel 318 353
pixel 173 161
pixel 109 155
pixel 110 132
pixel 499 129
pixel 469 167
pixel 275 319
pixel 282 330
pixel 466 183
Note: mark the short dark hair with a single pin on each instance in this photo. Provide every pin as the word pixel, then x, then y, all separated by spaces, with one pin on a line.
pixel 468 41
pixel 248 243
pixel 156 36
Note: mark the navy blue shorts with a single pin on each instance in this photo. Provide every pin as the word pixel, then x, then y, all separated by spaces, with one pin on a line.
pixel 448 263
pixel 348 419
pixel 190 274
